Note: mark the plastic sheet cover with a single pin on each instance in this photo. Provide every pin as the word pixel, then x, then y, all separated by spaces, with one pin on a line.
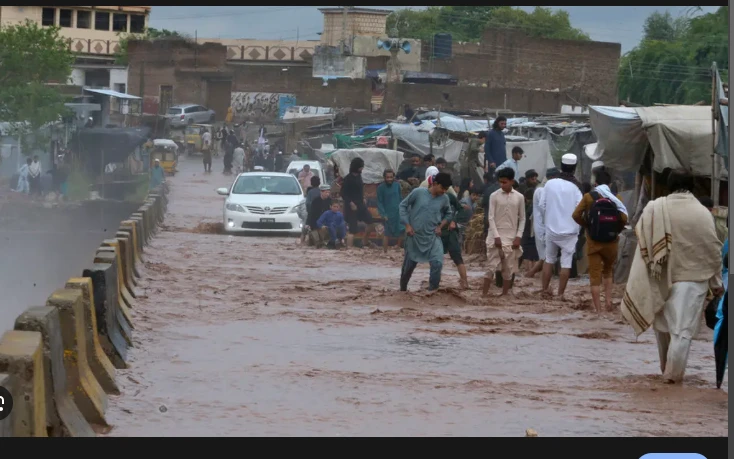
pixel 681 136
pixel 376 160
pixel 622 141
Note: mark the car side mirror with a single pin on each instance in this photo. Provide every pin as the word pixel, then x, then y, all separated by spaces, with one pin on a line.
pixel 223 192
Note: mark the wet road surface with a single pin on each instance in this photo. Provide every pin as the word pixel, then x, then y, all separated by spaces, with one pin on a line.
pixel 258 336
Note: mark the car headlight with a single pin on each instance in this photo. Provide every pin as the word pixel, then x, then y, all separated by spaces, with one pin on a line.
pixel 235 208
pixel 299 208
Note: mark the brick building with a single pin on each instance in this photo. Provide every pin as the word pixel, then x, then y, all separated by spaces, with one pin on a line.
pixel 585 70
pixel 170 72
pixel 365 22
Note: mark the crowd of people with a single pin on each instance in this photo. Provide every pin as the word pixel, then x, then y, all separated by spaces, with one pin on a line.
pixel 676 270
pixel 239 155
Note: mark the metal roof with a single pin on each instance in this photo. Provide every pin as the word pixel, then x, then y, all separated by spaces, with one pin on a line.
pixel 111 93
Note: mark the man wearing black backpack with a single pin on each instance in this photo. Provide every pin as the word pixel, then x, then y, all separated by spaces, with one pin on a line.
pixel 603 216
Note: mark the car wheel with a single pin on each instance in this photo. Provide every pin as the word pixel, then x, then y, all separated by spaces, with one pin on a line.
pixel 212 119
pixel 190 121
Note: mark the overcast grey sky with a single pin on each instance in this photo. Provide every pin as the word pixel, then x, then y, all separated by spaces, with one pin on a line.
pixel 618 24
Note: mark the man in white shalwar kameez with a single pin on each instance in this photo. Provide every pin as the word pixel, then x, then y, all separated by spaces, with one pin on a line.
pixel 676 262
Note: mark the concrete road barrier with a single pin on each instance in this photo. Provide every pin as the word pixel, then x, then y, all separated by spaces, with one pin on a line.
pixel 59 363
pixel 10 383
pixel 99 363
pixel 86 390
pixel 128 259
pixel 103 256
pixel 109 329
pixel 63 417
pixel 21 356
pixel 145 235
pixel 125 284
pixel 128 227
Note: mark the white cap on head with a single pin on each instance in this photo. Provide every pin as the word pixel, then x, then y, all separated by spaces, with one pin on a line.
pixel 597 164
pixel 569 159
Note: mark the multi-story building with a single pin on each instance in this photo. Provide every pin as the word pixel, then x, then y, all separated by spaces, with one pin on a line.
pixel 94 33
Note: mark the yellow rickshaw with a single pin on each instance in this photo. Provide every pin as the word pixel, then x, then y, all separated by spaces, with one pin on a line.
pixel 165 151
pixel 193 137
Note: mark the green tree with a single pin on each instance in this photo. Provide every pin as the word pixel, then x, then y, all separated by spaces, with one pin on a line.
pixel 663 27
pixel 672 63
pixel 150 34
pixel 467 23
pixel 541 22
pixel 30 57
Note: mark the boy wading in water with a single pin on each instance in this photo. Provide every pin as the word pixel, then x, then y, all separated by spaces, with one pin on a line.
pixel 425 212
pixel 506 218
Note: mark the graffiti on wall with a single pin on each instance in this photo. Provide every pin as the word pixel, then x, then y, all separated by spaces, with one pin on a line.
pixel 248 105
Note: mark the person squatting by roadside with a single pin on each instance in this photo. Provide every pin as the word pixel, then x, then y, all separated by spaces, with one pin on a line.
pixel 316 209
pixel 333 221
pixel 604 217
pixel 506 219
pixel 425 212
pixel 557 203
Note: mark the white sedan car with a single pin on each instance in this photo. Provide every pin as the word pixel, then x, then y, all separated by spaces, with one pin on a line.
pixel 263 202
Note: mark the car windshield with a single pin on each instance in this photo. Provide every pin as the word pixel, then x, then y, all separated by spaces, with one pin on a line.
pixel 264 184
pixel 174 111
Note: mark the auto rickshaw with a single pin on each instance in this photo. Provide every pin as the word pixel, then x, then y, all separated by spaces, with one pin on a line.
pixel 165 151
pixel 193 137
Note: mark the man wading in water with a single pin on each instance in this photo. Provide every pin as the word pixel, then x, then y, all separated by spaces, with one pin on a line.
pixel 425 212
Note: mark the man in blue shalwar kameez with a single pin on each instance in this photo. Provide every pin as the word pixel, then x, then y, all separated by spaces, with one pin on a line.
pixel 389 195
pixel 425 212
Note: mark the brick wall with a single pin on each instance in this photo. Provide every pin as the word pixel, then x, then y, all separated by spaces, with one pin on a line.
pixel 307 89
pixel 372 25
pixel 511 59
pixel 470 98
pixel 183 65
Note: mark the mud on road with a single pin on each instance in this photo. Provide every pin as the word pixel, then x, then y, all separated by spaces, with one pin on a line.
pixel 246 336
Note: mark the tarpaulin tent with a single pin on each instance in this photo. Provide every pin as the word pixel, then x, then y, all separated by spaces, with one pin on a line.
pixel 680 136
pixel 357 141
pixel 537 156
pixel 376 160
pixel 99 147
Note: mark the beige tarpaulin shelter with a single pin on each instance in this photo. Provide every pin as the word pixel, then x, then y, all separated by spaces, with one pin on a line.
pixel 679 135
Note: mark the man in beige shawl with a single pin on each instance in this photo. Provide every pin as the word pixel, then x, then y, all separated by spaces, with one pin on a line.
pixel 676 261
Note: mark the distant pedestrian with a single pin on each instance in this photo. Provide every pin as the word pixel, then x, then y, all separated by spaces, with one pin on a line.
pixel 495 146
pixel 23 172
pixel 34 177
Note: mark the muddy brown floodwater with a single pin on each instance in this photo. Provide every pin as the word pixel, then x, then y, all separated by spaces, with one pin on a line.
pixel 258 336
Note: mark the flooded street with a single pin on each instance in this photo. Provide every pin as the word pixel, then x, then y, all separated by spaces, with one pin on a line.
pixel 258 336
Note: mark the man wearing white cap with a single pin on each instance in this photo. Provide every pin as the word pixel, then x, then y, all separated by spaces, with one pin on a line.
pixel 557 204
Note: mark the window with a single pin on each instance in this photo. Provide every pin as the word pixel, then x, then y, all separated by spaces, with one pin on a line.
pixel 137 23
pixel 119 22
pixel 101 21
pixel 190 110
pixel 120 87
pixel 268 185
pixel 65 17
pixel 83 19
pixel 48 17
